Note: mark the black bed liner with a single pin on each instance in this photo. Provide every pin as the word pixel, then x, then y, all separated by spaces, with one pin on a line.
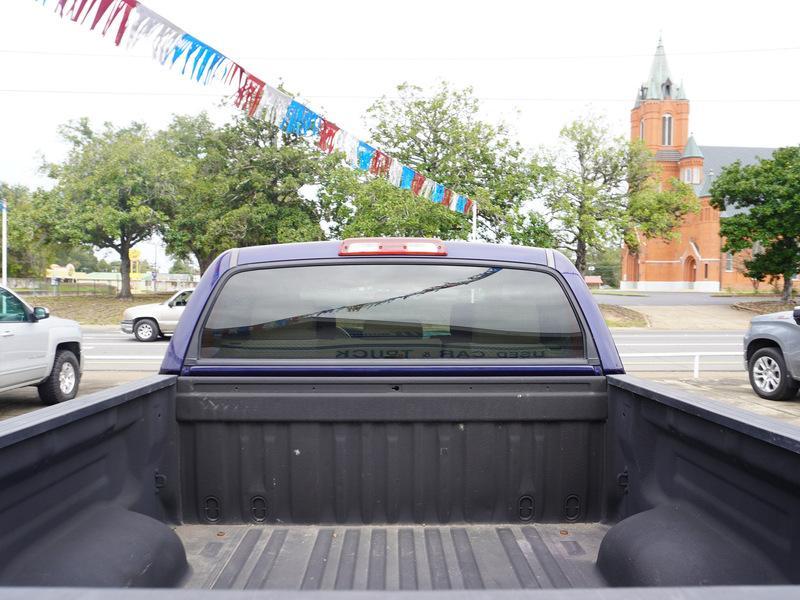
pixel 392 557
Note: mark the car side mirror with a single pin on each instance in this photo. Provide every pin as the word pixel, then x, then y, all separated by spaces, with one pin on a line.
pixel 796 314
pixel 40 312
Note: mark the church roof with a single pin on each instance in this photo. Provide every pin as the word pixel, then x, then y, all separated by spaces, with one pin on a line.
pixel 659 84
pixel 692 150
pixel 716 158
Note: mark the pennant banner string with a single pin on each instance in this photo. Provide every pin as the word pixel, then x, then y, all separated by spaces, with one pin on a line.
pixel 133 23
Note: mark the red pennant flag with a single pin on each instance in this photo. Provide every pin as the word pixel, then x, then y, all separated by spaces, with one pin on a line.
pixel 79 9
pixel 327 131
pixel 381 163
pixel 468 206
pixel 417 183
pixel 249 94
pixel 448 197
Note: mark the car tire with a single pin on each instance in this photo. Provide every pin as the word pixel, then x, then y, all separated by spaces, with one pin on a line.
pixel 63 381
pixel 146 330
pixel 769 376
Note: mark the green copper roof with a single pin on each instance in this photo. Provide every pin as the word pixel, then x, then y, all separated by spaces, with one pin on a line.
pixel 659 84
pixel 692 150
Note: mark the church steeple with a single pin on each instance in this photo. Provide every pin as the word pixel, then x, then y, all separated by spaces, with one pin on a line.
pixel 659 84
pixel 660 116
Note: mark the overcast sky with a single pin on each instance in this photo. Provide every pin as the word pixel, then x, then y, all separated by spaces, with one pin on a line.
pixel 535 64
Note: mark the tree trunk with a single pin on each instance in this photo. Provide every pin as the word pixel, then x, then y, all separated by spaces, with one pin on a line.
pixel 787 288
pixel 580 257
pixel 125 271
pixel 203 262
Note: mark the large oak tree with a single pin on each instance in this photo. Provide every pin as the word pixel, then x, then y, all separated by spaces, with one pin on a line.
pixel 602 190
pixel 112 190
pixel 251 184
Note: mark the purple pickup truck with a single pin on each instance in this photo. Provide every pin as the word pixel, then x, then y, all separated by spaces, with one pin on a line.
pixel 392 417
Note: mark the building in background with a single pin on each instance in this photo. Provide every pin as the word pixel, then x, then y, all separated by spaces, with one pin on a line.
pixel 694 259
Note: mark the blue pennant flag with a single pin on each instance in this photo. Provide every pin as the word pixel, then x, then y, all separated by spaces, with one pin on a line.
pixel 300 120
pixel 205 57
pixel 461 202
pixel 406 178
pixel 365 154
pixel 438 193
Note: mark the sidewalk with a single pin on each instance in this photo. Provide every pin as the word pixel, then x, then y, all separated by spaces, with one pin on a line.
pixel 694 317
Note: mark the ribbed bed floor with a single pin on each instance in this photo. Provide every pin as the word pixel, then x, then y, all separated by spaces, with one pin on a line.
pixel 391 558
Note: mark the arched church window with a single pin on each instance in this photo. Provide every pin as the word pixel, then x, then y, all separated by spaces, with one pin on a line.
pixel 666 130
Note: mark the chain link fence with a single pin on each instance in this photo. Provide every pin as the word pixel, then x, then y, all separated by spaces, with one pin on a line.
pixel 97 287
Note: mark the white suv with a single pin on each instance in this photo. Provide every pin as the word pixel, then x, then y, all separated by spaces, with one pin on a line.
pixel 37 349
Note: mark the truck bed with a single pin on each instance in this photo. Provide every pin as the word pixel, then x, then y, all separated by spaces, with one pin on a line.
pixel 392 557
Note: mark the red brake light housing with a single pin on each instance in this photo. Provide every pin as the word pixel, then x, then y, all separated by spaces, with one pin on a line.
pixel 392 245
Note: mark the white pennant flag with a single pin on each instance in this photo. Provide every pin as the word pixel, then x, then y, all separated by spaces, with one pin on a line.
pixel 144 23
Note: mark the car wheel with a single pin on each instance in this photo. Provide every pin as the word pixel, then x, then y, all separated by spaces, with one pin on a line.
pixel 146 330
pixel 63 381
pixel 769 376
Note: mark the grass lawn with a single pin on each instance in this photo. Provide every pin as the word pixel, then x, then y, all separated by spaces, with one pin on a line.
pixel 764 307
pixel 619 316
pixel 92 310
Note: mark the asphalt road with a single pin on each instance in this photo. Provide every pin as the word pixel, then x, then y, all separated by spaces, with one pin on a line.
pixel 676 351
pixel 115 351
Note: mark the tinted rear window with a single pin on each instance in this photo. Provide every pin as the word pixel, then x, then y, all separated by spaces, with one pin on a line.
pixel 392 311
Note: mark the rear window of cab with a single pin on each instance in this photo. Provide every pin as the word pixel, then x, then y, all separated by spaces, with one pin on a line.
pixel 392 311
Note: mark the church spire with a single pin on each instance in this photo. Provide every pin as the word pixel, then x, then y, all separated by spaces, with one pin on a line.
pixel 659 85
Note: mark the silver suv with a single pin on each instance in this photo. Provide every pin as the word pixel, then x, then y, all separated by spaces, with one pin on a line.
pixel 772 354
pixel 148 322
pixel 37 349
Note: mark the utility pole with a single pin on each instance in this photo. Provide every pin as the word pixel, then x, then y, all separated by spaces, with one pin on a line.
pixel 4 210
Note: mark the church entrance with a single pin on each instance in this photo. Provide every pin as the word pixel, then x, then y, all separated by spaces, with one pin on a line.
pixel 690 271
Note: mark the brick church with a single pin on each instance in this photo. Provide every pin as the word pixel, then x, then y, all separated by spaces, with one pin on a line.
pixel 694 259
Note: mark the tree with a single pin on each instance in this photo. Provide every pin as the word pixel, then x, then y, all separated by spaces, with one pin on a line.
pixel 606 264
pixel 766 196
pixel 81 257
pixel 375 208
pixel 182 267
pixel 113 189
pixel 441 136
pixel 601 190
pixel 28 253
pixel 247 187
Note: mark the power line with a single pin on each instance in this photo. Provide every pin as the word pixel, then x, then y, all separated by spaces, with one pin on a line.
pixel 328 58
pixel 373 97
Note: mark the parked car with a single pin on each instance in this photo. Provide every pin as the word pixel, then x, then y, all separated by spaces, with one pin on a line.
pixel 37 349
pixel 148 322
pixel 772 354
pixel 399 415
